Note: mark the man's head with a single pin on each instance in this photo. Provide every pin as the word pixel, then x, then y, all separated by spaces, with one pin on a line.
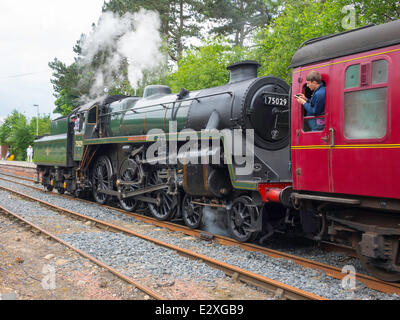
pixel 314 80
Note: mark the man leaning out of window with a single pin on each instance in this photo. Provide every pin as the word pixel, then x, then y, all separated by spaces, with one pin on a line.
pixel 316 105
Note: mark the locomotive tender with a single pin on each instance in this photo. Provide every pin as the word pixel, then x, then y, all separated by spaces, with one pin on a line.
pixel 336 185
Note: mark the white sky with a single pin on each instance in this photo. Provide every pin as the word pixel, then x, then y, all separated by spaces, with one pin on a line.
pixel 33 33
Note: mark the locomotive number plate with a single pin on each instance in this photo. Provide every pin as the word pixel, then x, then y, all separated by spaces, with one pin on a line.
pixel 276 100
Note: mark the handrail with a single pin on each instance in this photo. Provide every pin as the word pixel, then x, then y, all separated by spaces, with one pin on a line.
pixel 163 104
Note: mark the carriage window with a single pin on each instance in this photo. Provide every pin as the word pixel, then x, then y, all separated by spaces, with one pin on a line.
pixel 312 123
pixel 379 71
pixel 365 113
pixel 352 76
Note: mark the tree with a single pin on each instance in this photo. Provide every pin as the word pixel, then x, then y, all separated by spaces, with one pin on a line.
pixel 377 11
pixel 20 138
pixel 44 125
pixel 239 18
pixel 205 67
pixel 9 122
pixel 66 86
pixel 299 21
pixel 18 134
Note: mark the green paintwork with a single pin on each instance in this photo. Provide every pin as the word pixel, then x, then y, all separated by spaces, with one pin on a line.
pixel 138 117
pixel 127 126
pixel 59 126
pixel 78 147
pixel 51 150
pixel 133 123
pixel 117 111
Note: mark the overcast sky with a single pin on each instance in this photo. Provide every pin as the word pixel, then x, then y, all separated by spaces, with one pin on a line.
pixel 33 33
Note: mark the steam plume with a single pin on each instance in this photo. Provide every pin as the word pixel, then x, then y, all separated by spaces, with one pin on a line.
pixel 133 39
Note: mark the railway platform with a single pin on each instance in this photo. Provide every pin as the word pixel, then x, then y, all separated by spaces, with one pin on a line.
pixel 20 168
pixel 18 163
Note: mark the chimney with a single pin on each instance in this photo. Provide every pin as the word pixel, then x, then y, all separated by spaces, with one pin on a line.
pixel 242 71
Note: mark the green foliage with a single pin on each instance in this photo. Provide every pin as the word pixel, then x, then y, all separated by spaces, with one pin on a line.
pixel 20 138
pixel 298 22
pixel 66 86
pixel 205 67
pixel 239 18
pixel 302 20
pixel 65 102
pixel 377 11
pixel 18 134
pixel 8 124
pixel 44 125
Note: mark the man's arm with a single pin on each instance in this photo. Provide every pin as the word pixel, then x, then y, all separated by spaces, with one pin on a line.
pixel 316 106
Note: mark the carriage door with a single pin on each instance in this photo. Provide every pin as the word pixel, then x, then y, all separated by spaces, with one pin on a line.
pixel 361 162
pixel 311 149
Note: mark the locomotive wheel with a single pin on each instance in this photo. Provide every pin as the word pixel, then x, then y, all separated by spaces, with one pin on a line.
pixel 166 205
pixel 129 174
pixel 377 272
pixel 49 188
pixel 102 179
pixel 61 190
pixel 240 220
pixel 192 214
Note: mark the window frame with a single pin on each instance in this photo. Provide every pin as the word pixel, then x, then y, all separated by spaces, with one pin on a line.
pixel 97 115
pixel 370 86
pixel 304 118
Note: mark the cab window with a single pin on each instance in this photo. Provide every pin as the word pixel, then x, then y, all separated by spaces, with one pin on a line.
pixel 92 116
pixel 365 101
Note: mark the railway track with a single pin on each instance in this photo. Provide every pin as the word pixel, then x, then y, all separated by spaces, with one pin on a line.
pixel 335 272
pixel 279 289
pixel 131 281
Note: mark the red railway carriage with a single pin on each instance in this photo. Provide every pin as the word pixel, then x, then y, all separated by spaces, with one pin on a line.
pixel 353 162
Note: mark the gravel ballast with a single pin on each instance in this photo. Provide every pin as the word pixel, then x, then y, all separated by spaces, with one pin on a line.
pixel 122 251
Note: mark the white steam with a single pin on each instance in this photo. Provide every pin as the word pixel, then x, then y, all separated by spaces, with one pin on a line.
pixel 132 38
pixel 215 221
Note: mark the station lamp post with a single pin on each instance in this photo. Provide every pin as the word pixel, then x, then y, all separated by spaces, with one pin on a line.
pixel 37 119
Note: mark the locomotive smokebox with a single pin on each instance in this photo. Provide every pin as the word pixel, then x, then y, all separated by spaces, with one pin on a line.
pixel 242 71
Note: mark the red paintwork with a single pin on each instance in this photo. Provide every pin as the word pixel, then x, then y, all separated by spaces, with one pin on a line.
pixel 270 191
pixel 367 167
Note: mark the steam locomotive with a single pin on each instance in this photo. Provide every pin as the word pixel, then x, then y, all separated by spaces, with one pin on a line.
pixel 244 149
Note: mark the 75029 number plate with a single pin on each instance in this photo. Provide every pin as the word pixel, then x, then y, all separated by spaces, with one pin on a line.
pixel 276 100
